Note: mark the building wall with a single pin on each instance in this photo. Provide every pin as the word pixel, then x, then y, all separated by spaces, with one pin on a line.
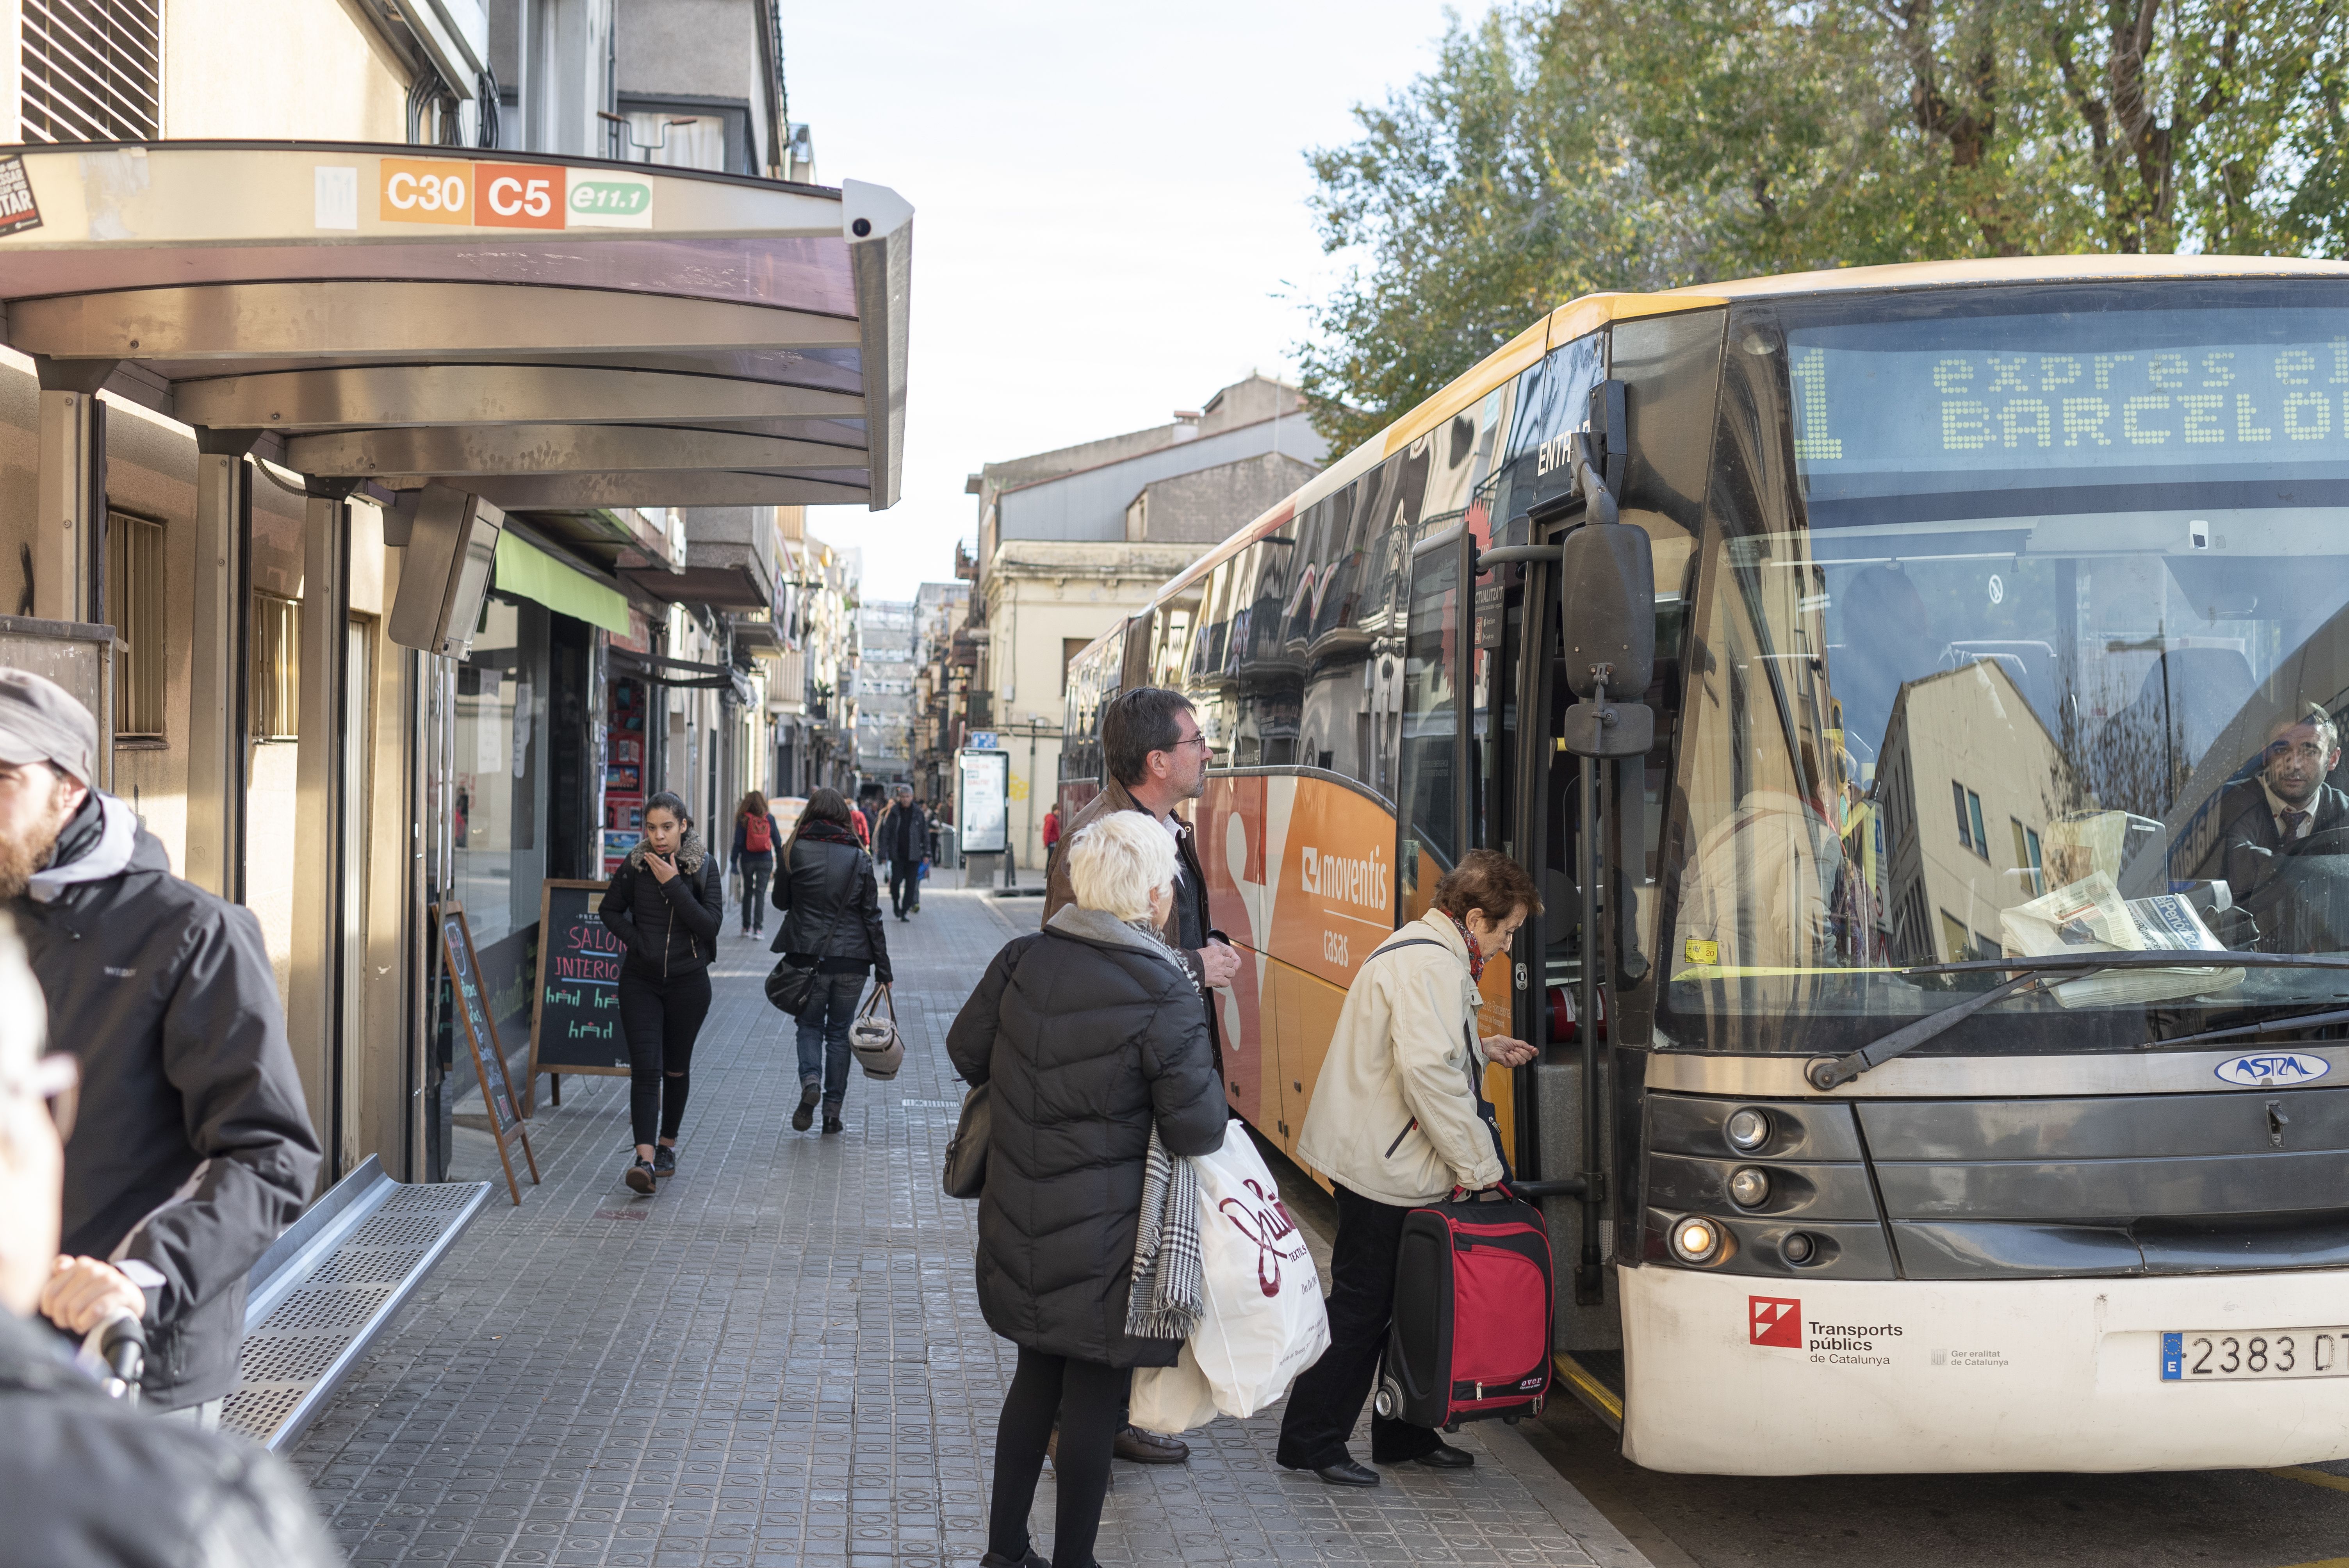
pixel 347 83
pixel 1204 507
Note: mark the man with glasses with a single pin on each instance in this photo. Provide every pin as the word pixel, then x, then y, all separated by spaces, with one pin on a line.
pixel 90 1480
pixel 195 1148
pixel 1155 757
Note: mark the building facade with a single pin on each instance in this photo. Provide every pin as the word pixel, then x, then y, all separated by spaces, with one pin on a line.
pixel 886 646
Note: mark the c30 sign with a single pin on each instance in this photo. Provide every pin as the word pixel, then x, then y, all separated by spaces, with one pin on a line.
pixel 508 195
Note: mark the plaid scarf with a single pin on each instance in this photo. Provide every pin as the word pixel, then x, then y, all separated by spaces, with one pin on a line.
pixel 1169 1291
pixel 1476 953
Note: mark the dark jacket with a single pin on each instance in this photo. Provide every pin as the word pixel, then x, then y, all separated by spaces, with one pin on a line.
pixel 669 928
pixel 742 840
pixel 92 1483
pixel 2292 899
pixel 1187 925
pixel 904 834
pixel 831 905
pixel 194 1146
pixel 1087 1032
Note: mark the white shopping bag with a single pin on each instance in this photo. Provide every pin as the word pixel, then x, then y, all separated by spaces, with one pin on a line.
pixel 1263 1322
pixel 1172 1399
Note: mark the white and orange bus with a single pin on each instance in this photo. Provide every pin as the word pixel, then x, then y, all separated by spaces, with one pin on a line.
pixel 1971 945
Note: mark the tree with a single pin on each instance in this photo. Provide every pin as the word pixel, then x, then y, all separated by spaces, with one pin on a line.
pixel 1558 148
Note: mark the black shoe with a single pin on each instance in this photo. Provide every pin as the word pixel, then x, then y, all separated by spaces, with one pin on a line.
pixel 1034 1559
pixel 832 1122
pixel 804 1117
pixel 1148 1447
pixel 664 1160
pixel 640 1176
pixel 1443 1456
pixel 1346 1473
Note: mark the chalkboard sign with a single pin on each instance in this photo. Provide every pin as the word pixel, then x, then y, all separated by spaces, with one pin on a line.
pixel 464 970
pixel 574 1020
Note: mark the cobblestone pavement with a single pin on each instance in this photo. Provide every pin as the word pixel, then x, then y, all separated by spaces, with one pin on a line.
pixel 778 1358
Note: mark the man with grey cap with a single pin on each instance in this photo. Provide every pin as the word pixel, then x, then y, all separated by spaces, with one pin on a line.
pixel 194 1147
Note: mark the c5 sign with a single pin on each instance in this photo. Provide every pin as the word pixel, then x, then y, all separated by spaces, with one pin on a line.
pixel 510 195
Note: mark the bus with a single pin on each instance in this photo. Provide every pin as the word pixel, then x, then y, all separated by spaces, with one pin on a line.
pixel 1940 1017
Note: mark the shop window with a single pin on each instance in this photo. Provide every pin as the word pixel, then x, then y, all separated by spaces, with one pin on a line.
pixel 134 601
pixel 92 70
pixel 276 696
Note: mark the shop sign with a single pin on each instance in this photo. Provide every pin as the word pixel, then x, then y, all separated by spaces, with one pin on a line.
pixel 497 195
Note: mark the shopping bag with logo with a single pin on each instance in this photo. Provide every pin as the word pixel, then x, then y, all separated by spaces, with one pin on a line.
pixel 1172 1399
pixel 1263 1322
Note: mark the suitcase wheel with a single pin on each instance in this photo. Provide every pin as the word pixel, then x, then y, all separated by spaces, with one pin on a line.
pixel 1387 1404
pixel 1508 1420
pixel 1451 1426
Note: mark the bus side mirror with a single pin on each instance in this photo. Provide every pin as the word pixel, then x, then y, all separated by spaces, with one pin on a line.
pixel 1607 585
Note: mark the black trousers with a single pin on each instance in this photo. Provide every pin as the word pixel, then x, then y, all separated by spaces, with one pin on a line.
pixel 660 1019
pixel 904 886
pixel 1328 1398
pixel 1088 1401
pixel 755 871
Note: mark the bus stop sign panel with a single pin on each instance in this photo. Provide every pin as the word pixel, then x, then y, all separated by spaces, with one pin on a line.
pixel 982 797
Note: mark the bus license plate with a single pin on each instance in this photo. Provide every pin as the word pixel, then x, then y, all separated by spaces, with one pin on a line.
pixel 2235 1354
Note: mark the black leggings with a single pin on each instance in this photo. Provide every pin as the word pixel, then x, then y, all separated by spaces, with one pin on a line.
pixel 1089 1399
pixel 660 1019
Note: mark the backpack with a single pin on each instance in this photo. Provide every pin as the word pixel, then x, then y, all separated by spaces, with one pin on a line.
pixel 758 835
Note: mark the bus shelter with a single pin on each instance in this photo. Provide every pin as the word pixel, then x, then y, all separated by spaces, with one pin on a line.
pixel 536 334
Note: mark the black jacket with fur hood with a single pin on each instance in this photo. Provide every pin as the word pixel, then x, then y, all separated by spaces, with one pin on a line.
pixel 669 928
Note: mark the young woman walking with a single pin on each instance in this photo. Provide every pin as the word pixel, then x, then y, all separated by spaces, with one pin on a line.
pixel 664 905
pixel 756 835
pixel 832 922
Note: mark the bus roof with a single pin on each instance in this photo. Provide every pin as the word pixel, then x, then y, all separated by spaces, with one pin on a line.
pixel 1586 315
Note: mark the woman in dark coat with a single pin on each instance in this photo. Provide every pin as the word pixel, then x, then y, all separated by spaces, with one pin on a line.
pixel 832 923
pixel 664 905
pixel 1089 1031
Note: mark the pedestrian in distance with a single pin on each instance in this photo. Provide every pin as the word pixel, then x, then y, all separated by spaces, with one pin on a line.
pixel 196 1148
pixel 1051 838
pixel 90 1480
pixel 1396 1123
pixel 904 841
pixel 756 836
pixel 666 906
pixel 1089 1033
pixel 832 923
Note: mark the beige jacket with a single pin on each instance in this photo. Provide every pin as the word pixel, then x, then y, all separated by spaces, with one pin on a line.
pixel 1394 1112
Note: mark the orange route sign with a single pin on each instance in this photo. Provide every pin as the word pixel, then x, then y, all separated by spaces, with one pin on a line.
pixel 425 190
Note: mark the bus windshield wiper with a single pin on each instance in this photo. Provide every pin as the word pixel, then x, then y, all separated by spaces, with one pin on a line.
pixel 1833 1072
pixel 2250 1031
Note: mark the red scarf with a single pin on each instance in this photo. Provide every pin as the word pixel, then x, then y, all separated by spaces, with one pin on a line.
pixel 1476 953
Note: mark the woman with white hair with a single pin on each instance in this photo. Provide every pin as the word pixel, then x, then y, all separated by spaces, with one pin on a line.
pixel 1090 1032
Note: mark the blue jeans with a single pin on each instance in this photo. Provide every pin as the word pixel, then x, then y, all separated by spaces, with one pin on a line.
pixel 823 1035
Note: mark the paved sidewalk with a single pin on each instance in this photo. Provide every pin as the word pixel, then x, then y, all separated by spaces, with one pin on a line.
pixel 778 1358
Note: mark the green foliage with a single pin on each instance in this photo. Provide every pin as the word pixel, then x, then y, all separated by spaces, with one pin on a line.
pixel 1561 147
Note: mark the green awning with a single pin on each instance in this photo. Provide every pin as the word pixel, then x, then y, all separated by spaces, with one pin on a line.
pixel 530 573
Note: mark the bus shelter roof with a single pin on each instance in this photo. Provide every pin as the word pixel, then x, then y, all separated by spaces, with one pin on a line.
pixel 554 333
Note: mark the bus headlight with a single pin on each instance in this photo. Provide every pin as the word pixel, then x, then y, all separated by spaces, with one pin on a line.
pixel 1749 1188
pixel 1695 1240
pixel 1748 1130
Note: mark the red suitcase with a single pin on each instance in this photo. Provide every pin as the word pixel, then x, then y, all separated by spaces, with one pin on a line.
pixel 1472 1308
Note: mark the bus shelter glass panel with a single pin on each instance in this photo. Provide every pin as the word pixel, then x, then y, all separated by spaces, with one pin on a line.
pixel 2024 631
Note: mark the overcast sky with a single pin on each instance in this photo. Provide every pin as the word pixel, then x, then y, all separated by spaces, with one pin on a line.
pixel 1110 218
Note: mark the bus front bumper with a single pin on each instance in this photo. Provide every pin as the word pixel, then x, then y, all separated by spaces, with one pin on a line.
pixel 1728 1374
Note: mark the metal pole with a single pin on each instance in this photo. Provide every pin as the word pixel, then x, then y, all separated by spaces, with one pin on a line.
pixel 217 665
pixel 1589 1280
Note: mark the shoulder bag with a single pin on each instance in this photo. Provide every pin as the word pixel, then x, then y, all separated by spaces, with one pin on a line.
pixel 873 1040
pixel 966 1175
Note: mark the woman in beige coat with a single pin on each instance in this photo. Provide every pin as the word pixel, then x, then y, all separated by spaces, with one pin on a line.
pixel 1394 1125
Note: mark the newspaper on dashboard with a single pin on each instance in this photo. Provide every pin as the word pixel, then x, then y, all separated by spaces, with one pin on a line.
pixel 2090 916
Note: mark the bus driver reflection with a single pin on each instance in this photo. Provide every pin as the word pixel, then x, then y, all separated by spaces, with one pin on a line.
pixel 2288 801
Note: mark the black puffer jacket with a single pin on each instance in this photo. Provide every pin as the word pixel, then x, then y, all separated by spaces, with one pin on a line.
pixel 669 928
pixel 829 903
pixel 90 1483
pixel 1087 1031
pixel 193 1148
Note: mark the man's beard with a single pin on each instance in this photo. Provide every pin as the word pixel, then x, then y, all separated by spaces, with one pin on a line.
pixel 20 859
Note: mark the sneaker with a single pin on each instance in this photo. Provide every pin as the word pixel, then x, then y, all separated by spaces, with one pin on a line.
pixel 804 1117
pixel 640 1176
pixel 664 1160
pixel 832 1122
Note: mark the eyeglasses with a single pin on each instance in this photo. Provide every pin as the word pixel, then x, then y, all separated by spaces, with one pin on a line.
pixel 55 1079
pixel 1199 741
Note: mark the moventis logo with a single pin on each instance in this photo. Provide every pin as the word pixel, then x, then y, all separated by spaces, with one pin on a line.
pixel 1774 1321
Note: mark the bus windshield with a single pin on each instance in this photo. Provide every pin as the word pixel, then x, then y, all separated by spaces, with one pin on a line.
pixel 2034 639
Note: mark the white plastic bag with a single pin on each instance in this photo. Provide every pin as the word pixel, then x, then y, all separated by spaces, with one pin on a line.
pixel 1263 1322
pixel 1172 1399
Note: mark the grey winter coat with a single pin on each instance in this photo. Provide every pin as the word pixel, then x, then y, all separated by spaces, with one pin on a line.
pixel 669 928
pixel 92 1483
pixel 193 1148
pixel 1088 1030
